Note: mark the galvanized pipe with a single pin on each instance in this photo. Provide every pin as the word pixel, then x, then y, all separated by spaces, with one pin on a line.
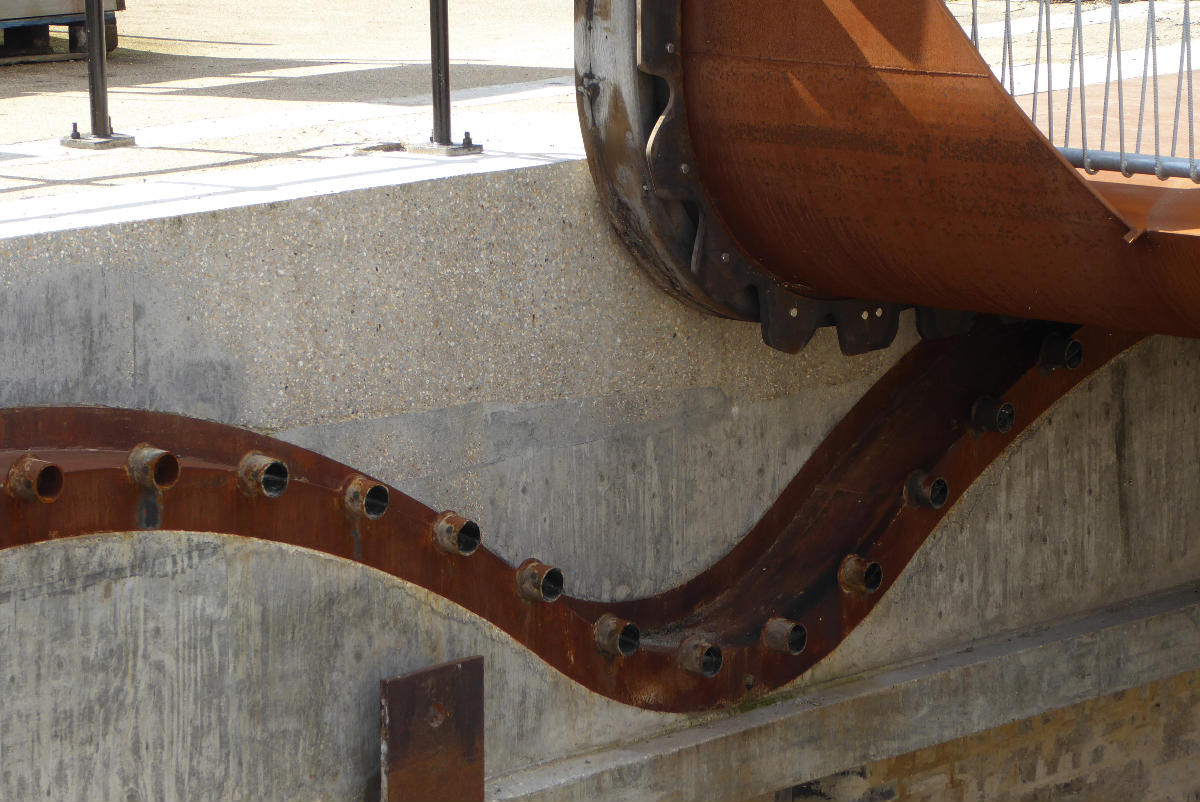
pixel 439 59
pixel 97 77
pixel 1130 163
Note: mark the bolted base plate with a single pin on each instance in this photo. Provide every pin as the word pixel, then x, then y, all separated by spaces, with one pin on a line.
pixel 91 142
pixel 452 149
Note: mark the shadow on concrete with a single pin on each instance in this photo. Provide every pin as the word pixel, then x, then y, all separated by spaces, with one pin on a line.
pixel 389 82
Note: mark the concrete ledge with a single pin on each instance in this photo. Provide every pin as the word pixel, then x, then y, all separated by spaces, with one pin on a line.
pixel 889 712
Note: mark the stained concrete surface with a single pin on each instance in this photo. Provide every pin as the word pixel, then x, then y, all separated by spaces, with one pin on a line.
pixel 137 640
pixel 208 651
pixel 497 352
pixel 160 665
pixel 484 342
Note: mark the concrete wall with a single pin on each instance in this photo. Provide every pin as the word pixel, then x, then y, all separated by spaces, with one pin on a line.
pixel 165 665
pixel 1137 744
pixel 1094 504
pixel 485 344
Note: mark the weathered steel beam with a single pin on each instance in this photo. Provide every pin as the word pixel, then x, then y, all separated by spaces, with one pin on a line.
pixel 831 162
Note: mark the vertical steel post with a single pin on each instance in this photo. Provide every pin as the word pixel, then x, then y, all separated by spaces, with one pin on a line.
pixel 97 78
pixel 439 39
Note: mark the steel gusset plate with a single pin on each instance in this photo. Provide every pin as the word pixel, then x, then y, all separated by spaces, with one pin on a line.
pixel 781 600
pixel 631 108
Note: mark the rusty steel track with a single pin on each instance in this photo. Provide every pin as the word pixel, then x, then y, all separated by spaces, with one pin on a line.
pixel 784 597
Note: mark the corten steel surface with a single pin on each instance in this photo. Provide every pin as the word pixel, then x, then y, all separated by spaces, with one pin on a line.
pixel 755 620
pixel 431 728
pixel 631 112
pixel 863 148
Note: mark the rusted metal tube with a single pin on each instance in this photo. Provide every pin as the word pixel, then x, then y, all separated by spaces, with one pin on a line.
pixel 616 636
pixel 992 415
pixel 455 534
pixel 784 635
pixel 34 479
pixel 365 498
pixel 857 575
pixel 260 475
pixel 923 490
pixel 537 581
pixel 152 468
pixel 699 656
pixel 1060 351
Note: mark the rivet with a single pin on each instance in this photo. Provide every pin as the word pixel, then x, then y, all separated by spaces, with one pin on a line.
pixel 365 497
pixel 1060 351
pixel 784 635
pixel 699 656
pixel 34 479
pixel 992 415
pixel 260 475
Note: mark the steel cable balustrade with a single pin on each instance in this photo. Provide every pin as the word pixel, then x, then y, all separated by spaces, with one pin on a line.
pixel 1165 30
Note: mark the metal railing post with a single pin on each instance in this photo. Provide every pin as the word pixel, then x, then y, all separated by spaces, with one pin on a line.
pixel 439 45
pixel 441 143
pixel 102 135
pixel 93 25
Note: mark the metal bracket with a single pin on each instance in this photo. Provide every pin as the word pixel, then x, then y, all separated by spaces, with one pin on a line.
pixel 431 728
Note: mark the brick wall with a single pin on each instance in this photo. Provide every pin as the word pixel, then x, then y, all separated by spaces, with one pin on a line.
pixel 1141 744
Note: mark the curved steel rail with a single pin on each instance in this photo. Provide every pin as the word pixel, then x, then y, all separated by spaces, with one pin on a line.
pixel 784 597
pixel 779 159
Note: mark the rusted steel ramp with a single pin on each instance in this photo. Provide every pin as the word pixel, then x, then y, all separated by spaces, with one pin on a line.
pixel 833 161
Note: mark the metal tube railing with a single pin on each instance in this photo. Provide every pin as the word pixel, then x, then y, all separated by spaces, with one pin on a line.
pixel 441 142
pixel 93 25
pixel 439 48
pixel 101 135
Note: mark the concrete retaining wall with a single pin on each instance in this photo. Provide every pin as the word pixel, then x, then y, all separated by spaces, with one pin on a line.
pixel 485 344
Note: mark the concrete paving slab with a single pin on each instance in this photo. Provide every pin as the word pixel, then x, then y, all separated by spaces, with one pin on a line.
pixel 201 95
